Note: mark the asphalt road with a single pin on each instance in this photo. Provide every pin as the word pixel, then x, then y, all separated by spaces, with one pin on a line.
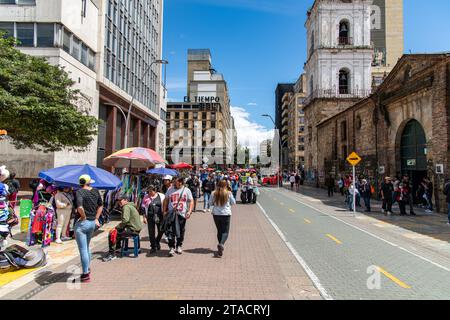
pixel 347 263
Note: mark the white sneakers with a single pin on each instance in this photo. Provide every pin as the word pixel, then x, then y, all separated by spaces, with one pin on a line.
pixel 171 252
pixel 58 241
pixel 179 250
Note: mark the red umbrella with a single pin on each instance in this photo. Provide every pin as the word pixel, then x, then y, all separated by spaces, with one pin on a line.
pixel 181 166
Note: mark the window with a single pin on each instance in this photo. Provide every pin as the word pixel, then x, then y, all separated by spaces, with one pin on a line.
pixel 66 41
pixel 344 82
pixel 7 27
pixel 84 54
pixel 344 32
pixel 91 60
pixel 344 131
pixel 195 115
pixel 25 34
pixel 7 1
pixel 26 2
pixel 45 34
pixel 76 44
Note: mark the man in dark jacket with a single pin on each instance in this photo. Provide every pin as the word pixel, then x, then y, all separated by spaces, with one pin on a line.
pixel 387 191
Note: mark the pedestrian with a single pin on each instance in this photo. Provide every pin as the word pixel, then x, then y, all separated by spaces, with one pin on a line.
pixel 130 226
pixel 64 206
pixel 428 185
pixel 402 198
pixel 366 193
pixel 193 184
pixel 409 197
pixel 153 204
pixel 329 183
pixel 221 201
pixel 447 194
pixel 358 195
pixel 167 183
pixel 292 180
pixel 234 187
pixel 341 185
pixel 178 206
pixel 13 189
pixel 89 207
pixel 353 193
pixel 208 187
pixel 387 192
pixel 297 182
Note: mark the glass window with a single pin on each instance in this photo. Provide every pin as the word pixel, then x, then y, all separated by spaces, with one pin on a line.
pixel 7 1
pixel 25 34
pixel 26 2
pixel 84 54
pixel 76 48
pixel 91 60
pixel 66 40
pixel 7 27
pixel 45 34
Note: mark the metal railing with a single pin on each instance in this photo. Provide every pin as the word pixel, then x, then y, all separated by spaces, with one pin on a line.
pixel 336 93
pixel 345 41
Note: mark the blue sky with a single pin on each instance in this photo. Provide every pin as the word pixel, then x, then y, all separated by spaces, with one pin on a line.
pixel 258 43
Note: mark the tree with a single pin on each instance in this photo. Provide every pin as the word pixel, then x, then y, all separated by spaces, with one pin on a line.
pixel 38 105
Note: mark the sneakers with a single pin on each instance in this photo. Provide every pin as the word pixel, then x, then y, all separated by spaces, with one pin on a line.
pixel 85 278
pixel 179 250
pixel 220 249
pixel 109 257
pixel 171 252
pixel 58 241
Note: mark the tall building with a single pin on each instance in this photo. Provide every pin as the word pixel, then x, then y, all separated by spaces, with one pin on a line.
pixel 106 47
pixel 206 107
pixel 296 125
pixel 283 92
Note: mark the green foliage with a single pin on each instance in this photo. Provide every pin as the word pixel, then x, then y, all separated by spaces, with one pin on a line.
pixel 38 105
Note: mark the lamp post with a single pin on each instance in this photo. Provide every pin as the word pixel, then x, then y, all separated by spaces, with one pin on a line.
pixel 280 145
pixel 127 119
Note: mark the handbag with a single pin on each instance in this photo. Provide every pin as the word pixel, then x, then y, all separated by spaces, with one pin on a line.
pixel 171 216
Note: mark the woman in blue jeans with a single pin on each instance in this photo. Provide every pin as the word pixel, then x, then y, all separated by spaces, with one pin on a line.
pixel 89 207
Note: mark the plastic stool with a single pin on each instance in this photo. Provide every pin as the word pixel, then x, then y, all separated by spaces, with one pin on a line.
pixel 136 246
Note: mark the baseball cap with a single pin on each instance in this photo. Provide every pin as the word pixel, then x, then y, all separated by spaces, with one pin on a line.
pixel 168 178
pixel 86 179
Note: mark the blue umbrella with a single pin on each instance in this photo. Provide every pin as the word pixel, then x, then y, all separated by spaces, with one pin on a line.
pixel 68 176
pixel 163 172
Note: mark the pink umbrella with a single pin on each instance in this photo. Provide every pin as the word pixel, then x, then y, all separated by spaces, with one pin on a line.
pixel 133 158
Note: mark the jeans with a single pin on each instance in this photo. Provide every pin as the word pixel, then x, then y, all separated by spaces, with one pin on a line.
pixel 387 205
pixel 83 234
pixel 206 197
pixel 330 191
pixel 172 234
pixel 350 202
pixel 223 228
pixel 367 203
pixel 154 231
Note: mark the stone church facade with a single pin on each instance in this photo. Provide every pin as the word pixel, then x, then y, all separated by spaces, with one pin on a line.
pixel 401 128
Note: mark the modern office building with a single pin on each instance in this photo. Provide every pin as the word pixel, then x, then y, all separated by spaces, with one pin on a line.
pixel 106 46
pixel 206 107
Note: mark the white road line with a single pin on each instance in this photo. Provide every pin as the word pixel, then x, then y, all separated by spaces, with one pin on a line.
pixel 371 234
pixel 300 260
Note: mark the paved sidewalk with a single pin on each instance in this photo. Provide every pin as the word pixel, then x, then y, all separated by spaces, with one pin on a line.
pixel 257 264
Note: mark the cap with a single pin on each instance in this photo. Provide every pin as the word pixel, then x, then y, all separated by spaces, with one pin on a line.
pixel 86 179
pixel 168 178
pixel 123 196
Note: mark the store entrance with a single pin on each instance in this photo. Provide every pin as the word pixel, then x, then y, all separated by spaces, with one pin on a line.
pixel 413 156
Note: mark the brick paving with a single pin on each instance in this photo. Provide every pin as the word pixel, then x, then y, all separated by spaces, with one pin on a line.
pixel 256 265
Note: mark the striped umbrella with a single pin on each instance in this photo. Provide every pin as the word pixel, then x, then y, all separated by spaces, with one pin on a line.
pixel 134 158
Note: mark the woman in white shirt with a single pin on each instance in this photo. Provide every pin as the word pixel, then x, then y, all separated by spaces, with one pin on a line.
pixel 64 205
pixel 221 201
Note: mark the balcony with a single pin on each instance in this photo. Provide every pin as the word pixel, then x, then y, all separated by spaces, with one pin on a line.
pixel 345 41
pixel 339 94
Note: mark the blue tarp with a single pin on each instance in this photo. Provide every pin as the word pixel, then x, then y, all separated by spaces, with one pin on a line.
pixel 68 176
pixel 163 172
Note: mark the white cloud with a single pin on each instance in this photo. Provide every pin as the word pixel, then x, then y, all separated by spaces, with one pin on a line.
pixel 252 104
pixel 250 133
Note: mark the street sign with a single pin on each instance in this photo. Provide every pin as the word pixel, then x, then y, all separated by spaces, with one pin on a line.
pixel 354 159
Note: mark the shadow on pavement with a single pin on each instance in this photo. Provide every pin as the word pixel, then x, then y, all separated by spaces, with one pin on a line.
pixel 199 251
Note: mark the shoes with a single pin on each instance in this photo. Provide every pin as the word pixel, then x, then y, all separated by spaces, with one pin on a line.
pixel 158 247
pixel 220 249
pixel 171 252
pixel 152 250
pixel 204 210
pixel 109 257
pixel 85 278
pixel 413 214
pixel 65 239
pixel 179 250
pixel 448 223
pixel 389 213
pixel 58 241
pixel 428 211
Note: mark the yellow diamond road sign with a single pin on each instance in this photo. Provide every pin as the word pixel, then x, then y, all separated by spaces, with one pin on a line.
pixel 354 159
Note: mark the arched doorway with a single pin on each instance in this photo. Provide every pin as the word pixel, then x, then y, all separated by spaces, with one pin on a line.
pixel 413 155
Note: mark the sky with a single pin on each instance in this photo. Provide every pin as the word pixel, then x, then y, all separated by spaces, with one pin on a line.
pixel 259 43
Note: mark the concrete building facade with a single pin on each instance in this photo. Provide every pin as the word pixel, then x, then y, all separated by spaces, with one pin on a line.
pixel 105 46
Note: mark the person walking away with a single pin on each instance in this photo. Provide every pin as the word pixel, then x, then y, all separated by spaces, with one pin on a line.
pixel 130 226
pixel 292 181
pixel 89 207
pixel 409 199
pixel 221 201
pixel 447 194
pixel 366 192
pixel 208 188
pixel 14 188
pixel 179 204
pixel 387 192
pixel 64 206
pixel 329 183
pixel 234 187
pixel 153 203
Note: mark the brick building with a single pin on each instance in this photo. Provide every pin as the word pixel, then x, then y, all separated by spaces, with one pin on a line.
pixel 401 128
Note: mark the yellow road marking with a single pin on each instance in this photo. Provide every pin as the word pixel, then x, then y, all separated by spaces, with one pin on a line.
pixel 292 210
pixel 334 239
pixel 307 221
pixel 394 279
pixel 9 276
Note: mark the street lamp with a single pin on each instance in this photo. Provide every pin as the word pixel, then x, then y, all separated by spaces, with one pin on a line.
pixel 279 142
pixel 132 98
